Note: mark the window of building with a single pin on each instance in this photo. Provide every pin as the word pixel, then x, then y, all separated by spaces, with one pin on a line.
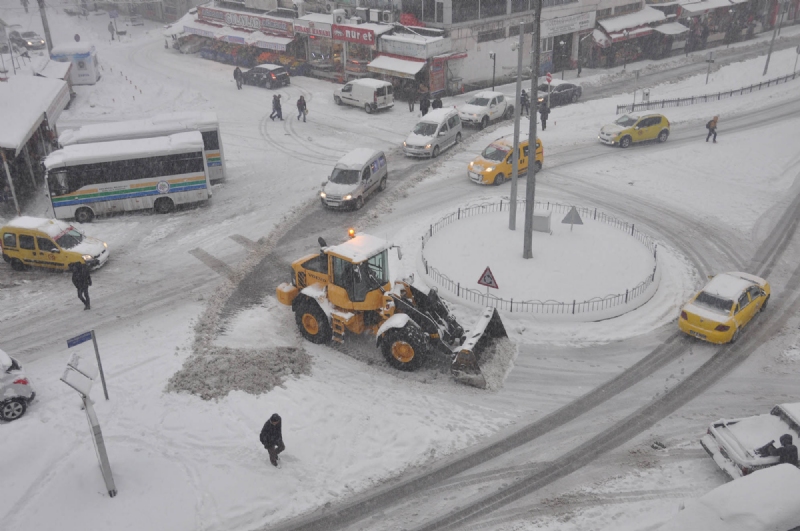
pixel 627 8
pixel 520 5
pixel 552 3
pixel 604 13
pixel 547 45
pixel 439 11
pixel 466 10
pixel 485 36
pixel 414 7
pixel 492 8
pixel 428 10
pixel 526 29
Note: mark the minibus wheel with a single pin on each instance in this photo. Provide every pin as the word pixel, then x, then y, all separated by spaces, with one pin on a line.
pixel 84 215
pixel 163 205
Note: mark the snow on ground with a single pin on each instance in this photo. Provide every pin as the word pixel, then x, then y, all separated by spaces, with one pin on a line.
pixel 183 463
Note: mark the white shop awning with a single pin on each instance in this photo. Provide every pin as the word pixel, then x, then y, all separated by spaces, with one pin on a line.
pixel 671 28
pixel 394 66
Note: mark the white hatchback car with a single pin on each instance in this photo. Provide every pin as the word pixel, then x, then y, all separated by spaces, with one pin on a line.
pixel 16 391
pixel 485 107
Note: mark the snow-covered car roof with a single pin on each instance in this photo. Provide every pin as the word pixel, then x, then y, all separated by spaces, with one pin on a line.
pixel 51 227
pixel 268 66
pixel 370 82
pixel 765 499
pixel 360 248
pixel 730 285
pixel 437 116
pixel 356 158
pixel 5 360
pixel 488 94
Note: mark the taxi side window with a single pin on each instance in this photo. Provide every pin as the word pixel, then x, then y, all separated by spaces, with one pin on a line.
pixel 452 121
pixel 444 128
pixel 45 245
pixel 655 121
pixel 9 240
pixel 347 88
pixel 754 292
pixel 366 173
pixel 743 301
pixel 525 151
pixel 26 242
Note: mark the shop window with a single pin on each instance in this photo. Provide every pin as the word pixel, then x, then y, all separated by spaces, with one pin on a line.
pixel 440 12
pixel 627 8
pixel 414 7
pixel 604 13
pixel 428 10
pixel 486 36
pixel 492 8
pixel 520 5
pixel 466 10
pixel 547 45
pixel 551 3
pixel 526 29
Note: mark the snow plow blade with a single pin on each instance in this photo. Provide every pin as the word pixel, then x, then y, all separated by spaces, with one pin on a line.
pixel 465 367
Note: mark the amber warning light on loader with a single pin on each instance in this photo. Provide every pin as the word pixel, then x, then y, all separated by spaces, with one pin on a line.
pixel 351 233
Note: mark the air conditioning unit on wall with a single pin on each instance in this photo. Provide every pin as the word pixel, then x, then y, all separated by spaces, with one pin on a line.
pixel 330 5
pixel 355 20
pixel 363 13
pixel 339 16
pixel 387 17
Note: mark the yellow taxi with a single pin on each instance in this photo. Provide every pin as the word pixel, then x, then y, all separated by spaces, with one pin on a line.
pixel 724 306
pixel 495 164
pixel 628 129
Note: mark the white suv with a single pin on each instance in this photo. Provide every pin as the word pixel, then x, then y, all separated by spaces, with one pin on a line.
pixel 485 107
pixel 16 391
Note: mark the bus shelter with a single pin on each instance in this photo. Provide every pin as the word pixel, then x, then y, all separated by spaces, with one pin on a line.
pixel 30 106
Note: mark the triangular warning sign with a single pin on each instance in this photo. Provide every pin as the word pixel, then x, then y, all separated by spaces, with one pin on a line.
pixel 487 279
pixel 573 218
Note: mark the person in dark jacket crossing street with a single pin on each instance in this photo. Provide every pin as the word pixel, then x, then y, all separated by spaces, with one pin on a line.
pixel 272 439
pixel 237 75
pixel 81 279
pixel 544 112
pixel 276 108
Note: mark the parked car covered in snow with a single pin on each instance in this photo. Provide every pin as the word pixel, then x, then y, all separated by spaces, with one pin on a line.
pixel 734 444
pixel 16 391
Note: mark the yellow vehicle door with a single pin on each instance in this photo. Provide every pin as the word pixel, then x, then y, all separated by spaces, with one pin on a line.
pixel 523 159
pixel 27 249
pixel 48 254
pixel 758 296
pixel 744 311
pixel 641 129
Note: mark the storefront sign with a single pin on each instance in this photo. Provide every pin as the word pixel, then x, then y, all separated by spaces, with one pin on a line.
pixel 307 27
pixel 410 47
pixel 235 19
pixel 570 24
pixel 353 34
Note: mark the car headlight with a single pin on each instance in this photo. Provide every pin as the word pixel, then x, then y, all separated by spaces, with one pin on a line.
pixel 105 245
pixel 490 168
pixel 86 257
pixel 474 115
pixel 471 164
pixel 428 146
pixel 323 195
pixel 404 143
pixel 348 197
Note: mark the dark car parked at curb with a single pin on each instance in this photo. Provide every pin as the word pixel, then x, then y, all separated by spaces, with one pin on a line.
pixel 27 39
pixel 266 75
pixel 561 93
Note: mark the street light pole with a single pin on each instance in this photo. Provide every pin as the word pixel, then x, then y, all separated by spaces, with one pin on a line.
pixel 46 27
pixel 493 57
pixel 512 208
pixel 562 43
pixel 772 42
pixel 530 189
pixel 625 54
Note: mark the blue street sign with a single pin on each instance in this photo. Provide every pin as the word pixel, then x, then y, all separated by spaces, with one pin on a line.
pixel 113 14
pixel 77 340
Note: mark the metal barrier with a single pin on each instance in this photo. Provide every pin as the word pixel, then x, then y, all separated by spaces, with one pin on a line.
pixel 682 102
pixel 548 307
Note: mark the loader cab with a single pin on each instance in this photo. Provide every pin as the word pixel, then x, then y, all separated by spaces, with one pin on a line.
pixel 354 266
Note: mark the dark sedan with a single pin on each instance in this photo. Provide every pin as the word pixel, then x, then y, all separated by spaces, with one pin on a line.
pixel 560 93
pixel 266 75
pixel 27 39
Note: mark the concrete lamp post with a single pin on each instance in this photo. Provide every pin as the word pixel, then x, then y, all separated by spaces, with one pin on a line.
pixel 493 57
pixel 625 55
pixel 562 43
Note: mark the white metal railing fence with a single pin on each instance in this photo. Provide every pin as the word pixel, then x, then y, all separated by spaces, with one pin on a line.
pixel 551 307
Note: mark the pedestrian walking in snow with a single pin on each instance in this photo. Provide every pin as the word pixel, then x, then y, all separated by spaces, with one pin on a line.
pixel 237 75
pixel 276 108
pixel 411 93
pixel 111 29
pixel 544 112
pixel 436 103
pixel 81 279
pixel 524 103
pixel 272 438
pixel 424 104
pixel 712 128
pixel 302 110
pixel 25 5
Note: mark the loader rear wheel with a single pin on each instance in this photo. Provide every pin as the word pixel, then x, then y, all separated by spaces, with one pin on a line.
pixel 313 323
pixel 404 348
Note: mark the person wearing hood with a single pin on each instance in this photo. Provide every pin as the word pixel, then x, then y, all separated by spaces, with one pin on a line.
pixel 237 75
pixel 787 452
pixel 272 438
pixel 712 128
pixel 81 279
pixel 276 108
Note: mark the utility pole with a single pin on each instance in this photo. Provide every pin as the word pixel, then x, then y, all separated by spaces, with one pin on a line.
pixel 512 207
pixel 46 27
pixel 530 190
pixel 710 61
pixel 772 42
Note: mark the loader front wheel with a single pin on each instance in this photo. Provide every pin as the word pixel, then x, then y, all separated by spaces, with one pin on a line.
pixel 404 348
pixel 313 323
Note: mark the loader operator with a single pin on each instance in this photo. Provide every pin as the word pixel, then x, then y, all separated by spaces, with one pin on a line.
pixel 787 452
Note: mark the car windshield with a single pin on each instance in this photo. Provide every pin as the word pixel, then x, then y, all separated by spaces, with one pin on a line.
pixel 713 302
pixel 29 34
pixel 344 176
pixel 69 239
pixel 626 121
pixel 425 129
pixel 479 101
pixel 494 152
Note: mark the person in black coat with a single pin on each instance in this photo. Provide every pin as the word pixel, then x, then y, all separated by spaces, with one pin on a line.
pixel 524 103
pixel 424 104
pixel 436 103
pixel 544 112
pixel 81 279
pixel 276 108
pixel 301 108
pixel 237 75
pixel 787 452
pixel 272 439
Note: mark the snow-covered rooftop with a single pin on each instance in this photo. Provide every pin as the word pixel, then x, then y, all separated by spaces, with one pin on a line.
pixel 72 48
pixel 51 227
pixel 158 125
pixel 23 102
pixel 410 37
pixel 124 149
pixel 632 20
pixel 53 69
pixel 356 158
pixel 318 17
pixel 671 28
pixel 360 248
pixel 395 64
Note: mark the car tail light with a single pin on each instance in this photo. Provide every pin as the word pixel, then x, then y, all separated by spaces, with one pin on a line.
pixel 21 381
pixel 722 328
pixel 745 470
pixel 684 316
pixel 272 74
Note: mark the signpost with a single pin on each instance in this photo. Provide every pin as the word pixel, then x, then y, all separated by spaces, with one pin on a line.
pixel 573 218
pixel 795 59
pixel 86 336
pixel 549 88
pixel 710 61
pixel 487 279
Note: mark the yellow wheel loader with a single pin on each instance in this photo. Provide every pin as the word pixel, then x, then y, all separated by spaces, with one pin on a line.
pixel 346 289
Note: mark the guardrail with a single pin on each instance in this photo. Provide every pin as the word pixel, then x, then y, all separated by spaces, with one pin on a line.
pixel 682 102
pixel 548 307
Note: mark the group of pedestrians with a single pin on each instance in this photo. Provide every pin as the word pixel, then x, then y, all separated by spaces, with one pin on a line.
pixel 525 108
pixel 277 110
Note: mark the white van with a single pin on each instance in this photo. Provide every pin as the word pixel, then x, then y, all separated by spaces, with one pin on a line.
pixel 371 94
pixel 435 132
pixel 356 175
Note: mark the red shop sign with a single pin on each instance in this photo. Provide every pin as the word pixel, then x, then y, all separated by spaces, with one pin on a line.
pixel 353 34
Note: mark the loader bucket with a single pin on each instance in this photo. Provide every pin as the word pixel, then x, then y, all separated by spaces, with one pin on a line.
pixel 465 367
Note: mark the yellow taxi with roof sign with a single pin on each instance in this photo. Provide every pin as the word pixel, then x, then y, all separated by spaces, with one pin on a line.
pixel 719 311
pixel 495 164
